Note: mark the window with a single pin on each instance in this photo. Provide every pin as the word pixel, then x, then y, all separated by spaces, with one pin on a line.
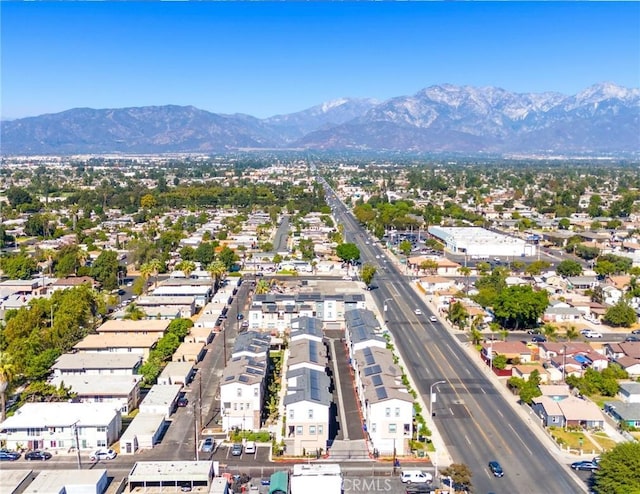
pixel 298 430
pixel 387 412
pixel 101 429
pixel 373 427
pixel 320 430
pixel 235 406
pixel 310 413
pixel 312 430
pixel 238 392
pixel 397 411
pixel 241 406
pixel 101 443
pixel 291 413
pixel 256 392
pixel 392 428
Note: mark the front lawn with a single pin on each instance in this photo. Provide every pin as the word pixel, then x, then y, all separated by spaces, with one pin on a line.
pixel 569 438
pixel 605 442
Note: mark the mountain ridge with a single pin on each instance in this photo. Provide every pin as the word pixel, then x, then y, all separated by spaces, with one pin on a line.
pixel 602 119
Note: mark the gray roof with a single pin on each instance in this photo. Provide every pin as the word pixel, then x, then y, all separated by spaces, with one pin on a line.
pixel 252 342
pixel 311 326
pixel 631 388
pixel 626 411
pixel 362 325
pixel 311 385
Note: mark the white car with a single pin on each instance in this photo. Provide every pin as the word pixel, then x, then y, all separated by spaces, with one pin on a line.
pixel 415 477
pixel 592 334
pixel 347 278
pixel 418 312
pixel 433 319
pixel 103 454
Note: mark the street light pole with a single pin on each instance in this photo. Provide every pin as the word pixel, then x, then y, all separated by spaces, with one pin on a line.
pixel 432 396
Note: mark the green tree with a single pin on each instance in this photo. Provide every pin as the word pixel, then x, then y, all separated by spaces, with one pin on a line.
pixel 621 315
pixel 619 471
pixel 367 273
pixel 205 253
pixel 105 269
pixel 187 267
pixel 571 333
pixel 458 315
pixel 459 473
pixel 536 267
pixel 520 306
pixel 18 266
pixel 348 252
pixel 68 260
pixel 18 196
pixel 148 201
pixel 569 267
pixel 7 373
pixel 217 270
pixel 405 247
pixel 500 361
pixel 564 224
pixel 227 257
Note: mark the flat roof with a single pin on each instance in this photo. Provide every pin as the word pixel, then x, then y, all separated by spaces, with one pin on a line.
pixel 97 384
pixel 106 360
pixel 60 414
pixel 10 480
pixel 161 394
pixel 57 481
pixel 127 325
pixel 163 471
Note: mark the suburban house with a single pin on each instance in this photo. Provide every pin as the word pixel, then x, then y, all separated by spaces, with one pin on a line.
pixel 626 355
pixel 307 411
pixel 624 413
pixel 200 294
pixel 242 391
pixel 61 426
pixel 629 392
pixel 150 304
pixel 514 351
pixel 189 352
pixel 122 391
pixel 568 412
pixel 108 364
pixel 176 373
pixel 561 312
pixel 523 371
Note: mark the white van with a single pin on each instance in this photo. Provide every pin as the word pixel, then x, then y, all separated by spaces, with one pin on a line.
pixel 250 447
pixel 415 477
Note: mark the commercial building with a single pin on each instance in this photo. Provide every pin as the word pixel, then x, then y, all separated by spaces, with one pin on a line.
pixel 482 243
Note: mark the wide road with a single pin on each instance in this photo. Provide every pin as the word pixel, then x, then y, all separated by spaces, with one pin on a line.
pixel 475 421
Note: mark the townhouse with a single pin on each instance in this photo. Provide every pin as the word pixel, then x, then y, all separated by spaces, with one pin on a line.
pixel 122 392
pixel 140 344
pixel 104 364
pixel 242 392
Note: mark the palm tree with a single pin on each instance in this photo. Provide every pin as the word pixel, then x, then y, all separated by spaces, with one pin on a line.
pixel 550 331
pixel 134 313
pixel 217 270
pixel 50 255
pixel 156 266
pixel 476 336
pixel 571 333
pixel 465 271
pixel 145 273
pixel 262 287
pixel 7 373
pixel 187 267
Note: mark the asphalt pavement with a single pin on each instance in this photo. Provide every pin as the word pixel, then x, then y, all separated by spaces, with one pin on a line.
pixel 475 421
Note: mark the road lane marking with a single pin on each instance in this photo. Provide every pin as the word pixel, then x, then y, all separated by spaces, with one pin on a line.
pixel 521 440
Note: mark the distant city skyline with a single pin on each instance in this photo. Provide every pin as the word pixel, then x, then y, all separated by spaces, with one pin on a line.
pixel 265 59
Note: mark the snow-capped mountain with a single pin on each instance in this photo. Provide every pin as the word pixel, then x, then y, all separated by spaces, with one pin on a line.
pixel 604 118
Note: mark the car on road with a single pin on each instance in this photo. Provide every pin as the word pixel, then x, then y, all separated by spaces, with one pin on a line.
pixel 245 324
pixel 592 334
pixel 584 465
pixel 347 278
pixel 37 455
pixel 632 338
pixel 538 339
pixel 635 331
pixel 207 445
pixel 236 449
pixel 534 331
pixel 496 469
pixel 183 401
pixel 103 454
pixel 418 312
pixel 9 455
pixel 433 319
pixel 240 317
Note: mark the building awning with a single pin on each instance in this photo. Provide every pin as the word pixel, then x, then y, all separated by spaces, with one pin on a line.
pixel 279 483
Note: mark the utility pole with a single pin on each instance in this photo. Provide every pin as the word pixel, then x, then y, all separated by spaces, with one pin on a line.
pixel 75 435
pixel 195 433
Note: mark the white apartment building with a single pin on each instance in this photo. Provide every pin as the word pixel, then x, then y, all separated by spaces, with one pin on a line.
pixel 242 391
pixel 307 405
pixel 62 426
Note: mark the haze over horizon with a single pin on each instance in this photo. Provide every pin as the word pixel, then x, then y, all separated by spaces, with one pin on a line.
pixel 265 59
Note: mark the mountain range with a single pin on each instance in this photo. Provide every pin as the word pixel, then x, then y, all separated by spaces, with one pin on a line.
pixel 602 119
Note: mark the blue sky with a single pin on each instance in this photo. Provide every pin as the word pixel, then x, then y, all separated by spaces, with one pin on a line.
pixel 272 58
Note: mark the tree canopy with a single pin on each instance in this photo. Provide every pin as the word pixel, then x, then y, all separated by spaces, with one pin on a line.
pixel 520 306
pixel 348 252
pixel 619 471
pixel 621 315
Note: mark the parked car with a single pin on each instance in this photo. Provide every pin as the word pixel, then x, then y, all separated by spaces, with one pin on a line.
pixel 9 455
pixel 207 445
pixel 457 486
pixel 635 331
pixel 584 465
pixel 538 339
pixel 37 455
pixel 250 447
pixel 496 469
pixel 103 454
pixel 245 324
pixel 632 338
pixel 415 477
pixel 183 401
pixel 236 449
pixel 240 317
